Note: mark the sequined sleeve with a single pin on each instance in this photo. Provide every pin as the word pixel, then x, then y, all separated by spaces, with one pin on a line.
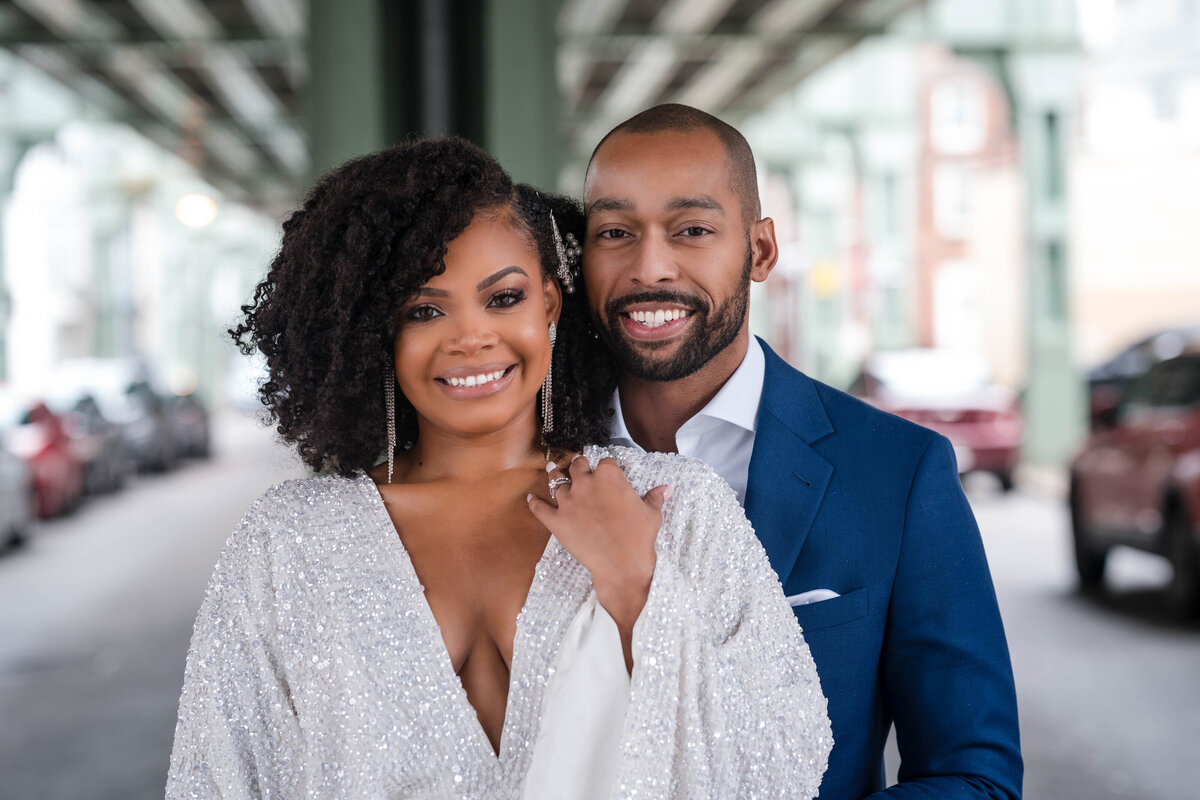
pixel 235 712
pixel 725 699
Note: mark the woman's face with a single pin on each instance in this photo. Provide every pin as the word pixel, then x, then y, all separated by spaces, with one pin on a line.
pixel 473 345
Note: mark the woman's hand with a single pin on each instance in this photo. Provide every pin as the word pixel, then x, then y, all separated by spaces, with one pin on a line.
pixel 602 521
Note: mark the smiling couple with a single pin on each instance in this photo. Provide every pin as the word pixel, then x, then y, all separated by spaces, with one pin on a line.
pixel 562 579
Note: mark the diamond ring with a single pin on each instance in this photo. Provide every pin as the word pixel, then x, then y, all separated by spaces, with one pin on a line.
pixel 555 483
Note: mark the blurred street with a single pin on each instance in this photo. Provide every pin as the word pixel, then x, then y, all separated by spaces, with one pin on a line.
pixel 1107 687
pixel 95 616
pixel 96 612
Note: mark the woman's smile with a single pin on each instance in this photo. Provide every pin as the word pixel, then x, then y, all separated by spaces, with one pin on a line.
pixel 468 383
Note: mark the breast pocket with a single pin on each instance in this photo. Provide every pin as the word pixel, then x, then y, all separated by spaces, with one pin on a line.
pixel 835 611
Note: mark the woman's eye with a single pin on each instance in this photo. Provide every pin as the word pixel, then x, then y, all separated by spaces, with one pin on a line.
pixel 506 299
pixel 422 313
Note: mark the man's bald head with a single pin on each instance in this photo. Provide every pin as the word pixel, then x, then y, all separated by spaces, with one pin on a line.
pixel 676 117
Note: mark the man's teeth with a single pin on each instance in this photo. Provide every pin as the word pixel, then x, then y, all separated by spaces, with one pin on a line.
pixel 652 319
pixel 476 380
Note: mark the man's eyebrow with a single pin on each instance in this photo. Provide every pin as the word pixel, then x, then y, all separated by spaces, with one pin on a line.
pixel 701 201
pixel 497 275
pixel 610 204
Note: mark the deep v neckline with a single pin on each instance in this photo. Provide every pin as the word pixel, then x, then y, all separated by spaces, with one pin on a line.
pixel 534 643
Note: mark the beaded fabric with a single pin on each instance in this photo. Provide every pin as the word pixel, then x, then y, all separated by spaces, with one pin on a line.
pixel 317 670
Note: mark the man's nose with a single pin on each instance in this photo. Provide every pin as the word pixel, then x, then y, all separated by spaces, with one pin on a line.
pixel 653 262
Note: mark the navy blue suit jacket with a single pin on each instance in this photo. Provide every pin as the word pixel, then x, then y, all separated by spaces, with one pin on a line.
pixel 846 497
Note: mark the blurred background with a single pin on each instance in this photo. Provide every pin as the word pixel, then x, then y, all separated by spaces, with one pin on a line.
pixel 983 207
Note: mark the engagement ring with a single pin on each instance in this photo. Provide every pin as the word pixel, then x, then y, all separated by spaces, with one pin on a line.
pixel 555 483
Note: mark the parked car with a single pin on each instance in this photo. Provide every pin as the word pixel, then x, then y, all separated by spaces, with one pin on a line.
pixel 16 499
pixel 189 422
pixel 97 441
pixel 123 391
pixel 1108 382
pixel 36 435
pixel 949 392
pixel 1136 480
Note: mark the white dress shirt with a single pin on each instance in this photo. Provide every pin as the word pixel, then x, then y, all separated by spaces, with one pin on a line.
pixel 722 433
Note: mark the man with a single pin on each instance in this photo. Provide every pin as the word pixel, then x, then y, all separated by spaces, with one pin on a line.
pixel 860 512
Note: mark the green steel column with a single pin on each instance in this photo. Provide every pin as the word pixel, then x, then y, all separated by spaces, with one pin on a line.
pixel 383 70
pixel 347 113
pixel 522 105
pixel 11 152
pixel 1055 402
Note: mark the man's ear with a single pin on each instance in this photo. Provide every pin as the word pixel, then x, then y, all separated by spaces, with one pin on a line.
pixel 764 250
pixel 553 296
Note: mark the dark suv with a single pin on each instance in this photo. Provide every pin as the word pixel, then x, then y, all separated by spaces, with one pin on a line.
pixel 1136 481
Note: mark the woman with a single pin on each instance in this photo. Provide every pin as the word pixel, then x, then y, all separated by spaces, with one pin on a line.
pixel 466 617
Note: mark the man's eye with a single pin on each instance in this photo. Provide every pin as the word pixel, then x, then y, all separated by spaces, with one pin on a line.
pixel 613 233
pixel 695 230
pixel 506 299
pixel 422 313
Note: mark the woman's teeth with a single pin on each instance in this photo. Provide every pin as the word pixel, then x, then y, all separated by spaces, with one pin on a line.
pixel 652 319
pixel 477 380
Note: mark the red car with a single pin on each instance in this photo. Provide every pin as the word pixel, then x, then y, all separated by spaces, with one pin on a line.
pixel 36 434
pixel 1136 480
pixel 949 392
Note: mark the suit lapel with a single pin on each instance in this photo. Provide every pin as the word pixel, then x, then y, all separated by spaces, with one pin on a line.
pixel 787 479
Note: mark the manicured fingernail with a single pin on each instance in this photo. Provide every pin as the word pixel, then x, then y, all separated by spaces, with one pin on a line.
pixel 551 466
pixel 668 493
pixel 577 455
pixel 528 497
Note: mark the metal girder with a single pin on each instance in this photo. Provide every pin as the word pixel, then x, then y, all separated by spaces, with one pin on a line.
pixel 228 77
pixel 691 53
pixel 187 81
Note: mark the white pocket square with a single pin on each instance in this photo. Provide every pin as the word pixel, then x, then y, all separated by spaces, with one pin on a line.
pixel 811 596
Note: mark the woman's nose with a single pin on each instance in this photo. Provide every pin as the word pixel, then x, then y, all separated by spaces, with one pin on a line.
pixel 471 334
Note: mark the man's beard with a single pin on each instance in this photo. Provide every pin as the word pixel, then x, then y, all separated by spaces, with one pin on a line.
pixel 711 331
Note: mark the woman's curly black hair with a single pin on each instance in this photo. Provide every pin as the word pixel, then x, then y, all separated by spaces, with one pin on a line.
pixel 369 234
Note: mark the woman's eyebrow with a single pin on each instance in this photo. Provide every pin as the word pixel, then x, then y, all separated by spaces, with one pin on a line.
pixel 497 275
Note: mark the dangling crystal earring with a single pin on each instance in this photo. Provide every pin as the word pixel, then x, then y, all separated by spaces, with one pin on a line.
pixel 547 386
pixel 389 399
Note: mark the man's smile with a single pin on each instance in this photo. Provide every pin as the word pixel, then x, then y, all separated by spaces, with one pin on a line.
pixel 655 324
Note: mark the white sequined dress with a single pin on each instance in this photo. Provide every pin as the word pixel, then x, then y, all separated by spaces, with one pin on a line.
pixel 317 670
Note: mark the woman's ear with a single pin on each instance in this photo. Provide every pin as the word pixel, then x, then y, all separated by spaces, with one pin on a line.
pixel 553 297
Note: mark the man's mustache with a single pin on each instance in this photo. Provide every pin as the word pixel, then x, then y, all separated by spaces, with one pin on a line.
pixel 618 305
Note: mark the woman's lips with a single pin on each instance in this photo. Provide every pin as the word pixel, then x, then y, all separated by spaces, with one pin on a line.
pixel 476 382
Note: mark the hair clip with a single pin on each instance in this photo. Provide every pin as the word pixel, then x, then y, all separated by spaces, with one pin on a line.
pixel 568 256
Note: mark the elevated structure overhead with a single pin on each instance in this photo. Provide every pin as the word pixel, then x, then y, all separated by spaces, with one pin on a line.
pixel 729 57
pixel 227 82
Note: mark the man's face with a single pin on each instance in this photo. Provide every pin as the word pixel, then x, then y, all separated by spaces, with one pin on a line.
pixel 668 258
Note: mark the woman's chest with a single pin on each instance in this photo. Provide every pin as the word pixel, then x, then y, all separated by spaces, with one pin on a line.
pixel 475 571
